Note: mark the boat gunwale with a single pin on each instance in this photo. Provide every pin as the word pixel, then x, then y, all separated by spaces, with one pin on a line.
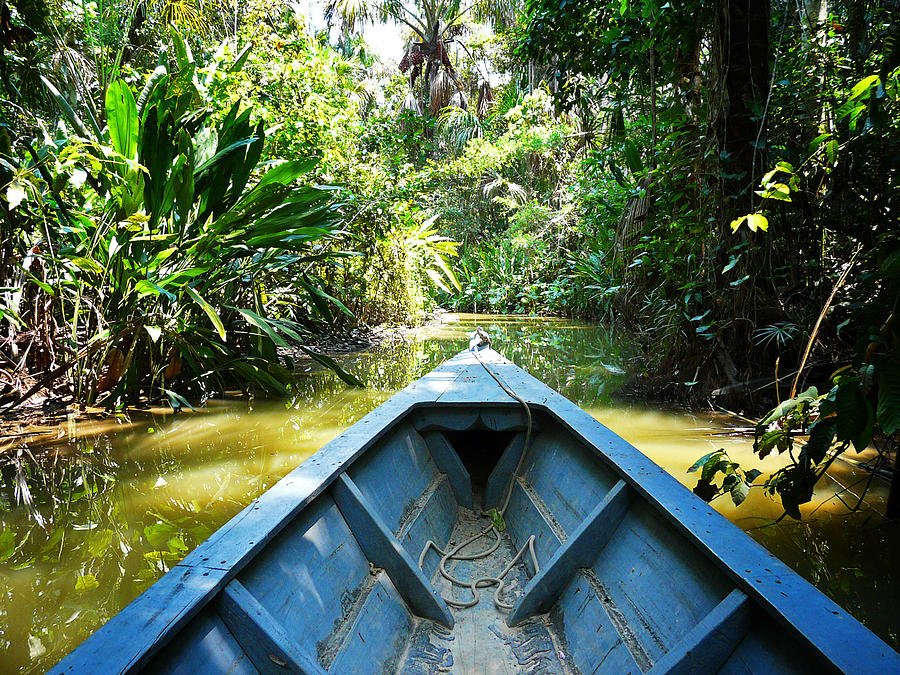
pixel 178 596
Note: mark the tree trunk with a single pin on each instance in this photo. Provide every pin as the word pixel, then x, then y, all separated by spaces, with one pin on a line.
pixel 745 41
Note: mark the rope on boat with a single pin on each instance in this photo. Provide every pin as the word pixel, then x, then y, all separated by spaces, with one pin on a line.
pixel 478 338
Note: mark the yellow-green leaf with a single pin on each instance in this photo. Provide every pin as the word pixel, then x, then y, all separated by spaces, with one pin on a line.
pixel 863 86
pixel 210 312
pixel 736 223
pixel 778 191
pixel 757 221
pixel 86 583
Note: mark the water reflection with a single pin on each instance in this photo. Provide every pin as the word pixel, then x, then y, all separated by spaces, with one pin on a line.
pixel 117 502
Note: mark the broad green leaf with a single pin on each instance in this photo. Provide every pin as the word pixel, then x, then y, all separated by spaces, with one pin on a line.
pixel 87 264
pixel 437 280
pixel 821 435
pixel 768 441
pixel 182 49
pixel 737 222
pixel 633 157
pixel 778 191
pixel 705 490
pixel 751 475
pixel 122 116
pixel 210 312
pixel 864 437
pixel 221 157
pixel 155 79
pixel 260 377
pixel 263 324
pixel 739 492
pixel 240 60
pixel 176 545
pixel 817 142
pixel 497 520
pixel 177 401
pixel 144 288
pixel 441 262
pixel 714 466
pixel 316 292
pixel 863 86
pixel 851 411
pixel 286 172
pixel 67 111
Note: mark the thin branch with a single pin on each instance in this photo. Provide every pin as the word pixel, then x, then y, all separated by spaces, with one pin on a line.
pixel 815 333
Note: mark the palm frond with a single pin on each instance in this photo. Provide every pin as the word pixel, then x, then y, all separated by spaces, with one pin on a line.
pixel 186 16
pixel 440 92
pixel 350 12
pixel 457 127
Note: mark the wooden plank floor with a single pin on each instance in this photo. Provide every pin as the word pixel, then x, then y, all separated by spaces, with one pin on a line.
pixel 480 642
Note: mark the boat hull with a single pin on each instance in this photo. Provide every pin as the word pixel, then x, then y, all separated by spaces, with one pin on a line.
pixel 613 566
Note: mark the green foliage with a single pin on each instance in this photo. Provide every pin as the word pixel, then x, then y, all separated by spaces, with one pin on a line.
pixel 174 246
pixel 840 420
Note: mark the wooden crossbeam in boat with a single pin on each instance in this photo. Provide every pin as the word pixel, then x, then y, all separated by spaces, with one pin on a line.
pixel 502 474
pixel 260 635
pixel 708 645
pixel 446 459
pixel 579 550
pixel 384 550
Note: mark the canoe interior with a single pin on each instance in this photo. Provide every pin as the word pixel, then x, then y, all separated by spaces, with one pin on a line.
pixel 621 589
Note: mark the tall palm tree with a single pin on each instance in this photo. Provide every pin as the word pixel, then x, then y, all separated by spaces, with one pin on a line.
pixel 435 24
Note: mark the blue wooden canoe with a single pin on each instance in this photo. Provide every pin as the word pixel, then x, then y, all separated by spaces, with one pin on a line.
pixel 611 565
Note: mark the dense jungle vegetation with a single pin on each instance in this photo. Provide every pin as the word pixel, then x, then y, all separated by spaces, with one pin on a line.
pixel 192 191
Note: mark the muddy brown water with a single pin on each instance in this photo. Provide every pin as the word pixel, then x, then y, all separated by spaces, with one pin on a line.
pixel 117 502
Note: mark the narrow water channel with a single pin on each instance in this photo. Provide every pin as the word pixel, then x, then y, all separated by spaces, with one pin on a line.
pixel 116 503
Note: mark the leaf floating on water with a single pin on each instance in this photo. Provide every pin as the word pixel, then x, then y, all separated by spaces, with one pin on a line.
pixel 88 582
pixel 36 648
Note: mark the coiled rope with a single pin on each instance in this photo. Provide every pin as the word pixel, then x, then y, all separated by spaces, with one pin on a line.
pixel 477 339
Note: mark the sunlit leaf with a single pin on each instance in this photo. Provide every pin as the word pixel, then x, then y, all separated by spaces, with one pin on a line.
pixel 86 583
pixel 122 116
pixel 210 312
pixel 739 491
pixel 15 194
pixel 778 191
pixel 757 221
pixel 863 86
pixel 154 332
